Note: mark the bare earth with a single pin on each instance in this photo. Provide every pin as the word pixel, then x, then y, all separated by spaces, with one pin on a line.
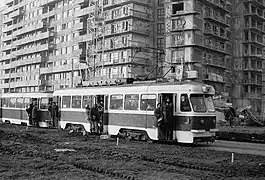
pixel 32 155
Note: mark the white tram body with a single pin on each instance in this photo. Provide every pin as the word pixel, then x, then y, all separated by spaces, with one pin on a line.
pixel 130 109
pixel 13 106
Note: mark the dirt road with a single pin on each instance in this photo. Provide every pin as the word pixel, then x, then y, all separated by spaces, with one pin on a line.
pixel 33 155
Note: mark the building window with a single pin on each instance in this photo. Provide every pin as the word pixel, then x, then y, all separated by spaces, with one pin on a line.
pixel 63 26
pixel 160 2
pixel 105 2
pixel 160 14
pixel 160 43
pixel 160 29
pixel 177 7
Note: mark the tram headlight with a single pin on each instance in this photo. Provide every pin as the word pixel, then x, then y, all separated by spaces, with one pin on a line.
pixel 214 121
pixel 206 89
pixel 202 121
pixel 188 120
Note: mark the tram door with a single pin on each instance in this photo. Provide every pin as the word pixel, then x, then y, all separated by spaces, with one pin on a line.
pixel 167 101
pixel 99 100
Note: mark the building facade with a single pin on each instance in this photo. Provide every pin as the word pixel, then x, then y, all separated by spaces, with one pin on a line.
pixel 53 44
pixel 50 44
pixel 248 53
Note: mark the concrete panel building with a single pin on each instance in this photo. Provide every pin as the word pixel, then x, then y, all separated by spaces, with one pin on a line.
pixel 53 44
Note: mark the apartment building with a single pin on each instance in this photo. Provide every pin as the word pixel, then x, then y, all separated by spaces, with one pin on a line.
pixel 52 44
pixel 197 38
pixel 44 40
pixel 248 53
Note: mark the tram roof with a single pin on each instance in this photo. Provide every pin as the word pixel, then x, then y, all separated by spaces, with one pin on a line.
pixel 27 94
pixel 150 87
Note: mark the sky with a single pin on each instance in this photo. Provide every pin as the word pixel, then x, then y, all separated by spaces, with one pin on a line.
pixel 2 2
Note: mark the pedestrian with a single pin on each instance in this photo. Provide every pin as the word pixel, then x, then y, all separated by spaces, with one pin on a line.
pixel 35 115
pixel 165 118
pixel 100 112
pixel 29 112
pixel 159 121
pixel 50 113
pixel 87 108
pixel 94 116
pixel 170 116
pixel 55 113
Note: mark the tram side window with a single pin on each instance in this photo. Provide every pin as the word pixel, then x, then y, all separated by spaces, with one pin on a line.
pixel 26 102
pixel 87 100
pixel 76 101
pixel 19 103
pixel 106 102
pixel 131 102
pixel 5 102
pixel 12 102
pixel 184 103
pixel 66 101
pixel 44 103
pixel 116 101
pixel 148 102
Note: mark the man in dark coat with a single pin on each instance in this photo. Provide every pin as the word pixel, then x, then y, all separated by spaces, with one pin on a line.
pixel 29 111
pixel 159 121
pixel 35 114
pixel 94 116
pixel 55 112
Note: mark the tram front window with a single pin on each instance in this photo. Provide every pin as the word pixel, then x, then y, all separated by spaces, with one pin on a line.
pixel 209 103
pixel 198 103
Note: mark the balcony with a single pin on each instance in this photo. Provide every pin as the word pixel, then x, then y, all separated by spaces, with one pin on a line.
pixel 6 38
pixel 117 3
pixel 27 83
pixel 29 29
pixel 216 18
pixel 4 76
pixel 84 11
pixel 21 62
pixel 8 28
pixel 5 57
pixel 252 82
pixel 5 66
pixel 5 85
pixel 218 4
pixel 33 49
pixel 33 38
pixel 7 47
pixel 7 20
pixel 44 2
pixel 14 14
pixel 258 3
pixel 252 95
pixel 78 26
pixel 248 68
pixel 258 14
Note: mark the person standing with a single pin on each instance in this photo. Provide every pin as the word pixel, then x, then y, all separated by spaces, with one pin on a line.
pixel 87 108
pixel 35 115
pixel 159 123
pixel 94 116
pixel 29 111
pixel 165 118
pixel 55 112
pixel 50 113
pixel 170 117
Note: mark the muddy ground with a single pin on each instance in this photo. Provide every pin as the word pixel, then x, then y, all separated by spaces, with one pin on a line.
pixel 242 133
pixel 32 155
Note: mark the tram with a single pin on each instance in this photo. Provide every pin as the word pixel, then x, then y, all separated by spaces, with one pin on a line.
pixel 129 109
pixel 13 106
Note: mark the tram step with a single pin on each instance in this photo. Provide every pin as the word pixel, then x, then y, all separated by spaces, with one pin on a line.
pixel 104 136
